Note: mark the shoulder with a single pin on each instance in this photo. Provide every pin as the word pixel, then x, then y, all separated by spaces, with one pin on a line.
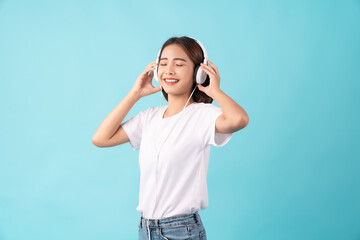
pixel 150 113
pixel 152 110
pixel 157 110
pixel 205 112
pixel 207 107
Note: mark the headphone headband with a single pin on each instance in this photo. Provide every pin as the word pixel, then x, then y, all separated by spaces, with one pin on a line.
pixel 203 49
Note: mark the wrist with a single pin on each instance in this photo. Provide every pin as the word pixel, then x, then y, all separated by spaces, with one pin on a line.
pixel 216 93
pixel 135 96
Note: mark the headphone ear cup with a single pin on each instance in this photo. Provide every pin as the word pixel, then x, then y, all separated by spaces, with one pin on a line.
pixel 199 75
pixel 156 74
pixel 195 73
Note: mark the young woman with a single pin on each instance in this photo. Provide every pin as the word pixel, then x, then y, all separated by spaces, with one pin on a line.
pixel 174 140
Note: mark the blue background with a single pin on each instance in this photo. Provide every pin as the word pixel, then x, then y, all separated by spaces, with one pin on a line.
pixel 292 173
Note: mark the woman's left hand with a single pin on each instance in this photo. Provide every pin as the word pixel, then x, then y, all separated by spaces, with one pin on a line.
pixel 213 73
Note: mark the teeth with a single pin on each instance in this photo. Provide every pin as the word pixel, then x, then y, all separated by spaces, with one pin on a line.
pixel 171 80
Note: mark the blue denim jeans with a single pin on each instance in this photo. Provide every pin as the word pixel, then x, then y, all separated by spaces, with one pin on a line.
pixel 183 227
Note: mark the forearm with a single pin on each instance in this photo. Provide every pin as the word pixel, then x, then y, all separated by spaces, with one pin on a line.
pixel 112 122
pixel 232 111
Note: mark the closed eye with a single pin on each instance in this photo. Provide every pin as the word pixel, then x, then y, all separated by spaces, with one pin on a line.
pixel 176 65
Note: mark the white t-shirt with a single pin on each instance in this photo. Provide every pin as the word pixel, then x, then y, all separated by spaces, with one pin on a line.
pixel 173 182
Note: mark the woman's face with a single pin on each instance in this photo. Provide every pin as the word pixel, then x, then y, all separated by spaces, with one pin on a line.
pixel 175 64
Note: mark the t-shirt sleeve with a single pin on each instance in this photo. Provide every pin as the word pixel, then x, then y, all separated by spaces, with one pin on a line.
pixel 212 137
pixel 134 127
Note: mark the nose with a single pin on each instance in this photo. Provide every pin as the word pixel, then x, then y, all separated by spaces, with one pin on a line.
pixel 169 69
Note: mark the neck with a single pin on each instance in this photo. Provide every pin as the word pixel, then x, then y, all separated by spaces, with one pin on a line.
pixel 176 104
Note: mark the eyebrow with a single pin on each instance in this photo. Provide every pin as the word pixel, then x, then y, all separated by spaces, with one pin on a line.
pixel 181 59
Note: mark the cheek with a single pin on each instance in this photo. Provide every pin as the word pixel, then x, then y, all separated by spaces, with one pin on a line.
pixel 189 72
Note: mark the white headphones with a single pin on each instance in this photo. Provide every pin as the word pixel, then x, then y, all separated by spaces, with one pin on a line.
pixel 199 74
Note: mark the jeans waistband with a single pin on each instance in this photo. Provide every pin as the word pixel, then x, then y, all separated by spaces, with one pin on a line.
pixel 171 221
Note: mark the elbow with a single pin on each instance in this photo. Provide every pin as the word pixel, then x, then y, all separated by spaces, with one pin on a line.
pixel 242 122
pixel 245 120
pixel 96 143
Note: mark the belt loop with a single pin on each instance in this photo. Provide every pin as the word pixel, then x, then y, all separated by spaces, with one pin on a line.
pixel 156 222
pixel 198 219
pixel 148 228
pixel 140 221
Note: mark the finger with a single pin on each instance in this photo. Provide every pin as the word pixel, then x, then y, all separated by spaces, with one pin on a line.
pixel 207 69
pixel 200 87
pixel 210 73
pixel 147 74
pixel 213 66
pixel 158 88
pixel 152 63
pixel 147 69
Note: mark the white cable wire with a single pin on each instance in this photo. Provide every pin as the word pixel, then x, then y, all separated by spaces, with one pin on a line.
pixel 161 94
pixel 157 160
pixel 178 118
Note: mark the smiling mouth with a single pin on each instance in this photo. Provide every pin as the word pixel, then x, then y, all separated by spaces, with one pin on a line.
pixel 171 80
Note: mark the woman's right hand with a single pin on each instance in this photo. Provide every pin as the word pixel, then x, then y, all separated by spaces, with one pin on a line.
pixel 143 84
